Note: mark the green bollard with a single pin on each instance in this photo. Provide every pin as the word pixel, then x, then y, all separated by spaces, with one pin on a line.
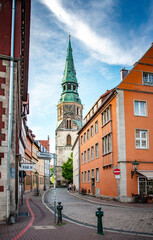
pixel 99 215
pixel 59 209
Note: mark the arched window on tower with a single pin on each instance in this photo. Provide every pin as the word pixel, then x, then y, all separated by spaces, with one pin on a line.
pixel 68 140
pixel 68 124
pixel 69 87
pixel 77 111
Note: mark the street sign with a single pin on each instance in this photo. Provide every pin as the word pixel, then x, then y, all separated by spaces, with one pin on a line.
pixel 117 176
pixel 117 171
pixel 44 155
pixel 27 167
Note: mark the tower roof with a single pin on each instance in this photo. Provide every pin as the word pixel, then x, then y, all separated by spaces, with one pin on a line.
pixel 69 81
pixel 69 72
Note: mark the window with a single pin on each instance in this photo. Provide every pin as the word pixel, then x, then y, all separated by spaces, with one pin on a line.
pixel 141 139
pixel 81 158
pixel 145 186
pixel 64 88
pixel 96 126
pixel 139 108
pixel 97 174
pixel 77 110
pixel 92 152
pixel 106 144
pixel 88 175
pixel 88 134
pixel 85 176
pixel 97 150
pixel 68 140
pixel 148 78
pixel 88 154
pixel 84 137
pixel 81 140
pixel 68 124
pixel 92 131
pixel 74 87
pixel 82 177
pixel 106 116
pixel 84 156
pixel 69 87
pixel 92 173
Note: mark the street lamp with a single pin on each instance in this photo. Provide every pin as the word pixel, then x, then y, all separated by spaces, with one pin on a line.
pixel 44 183
pixel 135 167
pixel 37 191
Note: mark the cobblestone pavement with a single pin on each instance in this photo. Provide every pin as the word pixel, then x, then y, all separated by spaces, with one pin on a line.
pixel 132 218
pixel 39 223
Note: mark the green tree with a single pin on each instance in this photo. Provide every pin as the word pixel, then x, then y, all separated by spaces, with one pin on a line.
pixel 51 171
pixel 67 168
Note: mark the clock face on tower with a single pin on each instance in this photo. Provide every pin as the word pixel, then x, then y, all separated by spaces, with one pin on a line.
pixel 68 109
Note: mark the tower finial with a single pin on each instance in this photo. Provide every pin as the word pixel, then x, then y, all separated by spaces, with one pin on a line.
pixel 69 36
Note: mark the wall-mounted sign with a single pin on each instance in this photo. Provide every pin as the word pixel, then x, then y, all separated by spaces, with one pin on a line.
pixel 27 167
pixel 43 155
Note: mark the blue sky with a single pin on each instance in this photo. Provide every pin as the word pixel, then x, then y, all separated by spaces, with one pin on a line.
pixel 106 35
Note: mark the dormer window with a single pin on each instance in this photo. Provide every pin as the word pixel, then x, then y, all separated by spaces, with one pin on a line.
pixel 148 79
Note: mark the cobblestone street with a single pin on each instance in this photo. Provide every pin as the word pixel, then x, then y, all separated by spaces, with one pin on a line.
pixel 39 224
pixel 123 217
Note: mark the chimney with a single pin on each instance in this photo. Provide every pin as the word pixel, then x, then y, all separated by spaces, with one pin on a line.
pixel 124 73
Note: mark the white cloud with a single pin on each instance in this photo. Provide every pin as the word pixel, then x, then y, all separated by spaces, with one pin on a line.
pixel 100 46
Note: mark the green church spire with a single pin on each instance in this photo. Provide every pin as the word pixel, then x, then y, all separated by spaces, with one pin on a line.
pixel 69 82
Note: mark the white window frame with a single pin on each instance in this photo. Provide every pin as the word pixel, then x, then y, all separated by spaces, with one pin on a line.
pixel 148 78
pixel 88 134
pixel 81 158
pixel 92 173
pixel 82 140
pixel 106 115
pixel 92 153
pixel 107 144
pixel 141 139
pixel 92 131
pixel 96 150
pixel 85 156
pixel 96 126
pixel 85 176
pixel 139 108
pixel 97 174
pixel 88 154
pixel 84 137
pixel 82 177
pixel 88 175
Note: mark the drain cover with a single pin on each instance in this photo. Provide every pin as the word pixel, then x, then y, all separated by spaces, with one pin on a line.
pixel 44 227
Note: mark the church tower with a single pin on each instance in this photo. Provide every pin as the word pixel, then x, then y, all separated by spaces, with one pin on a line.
pixel 69 115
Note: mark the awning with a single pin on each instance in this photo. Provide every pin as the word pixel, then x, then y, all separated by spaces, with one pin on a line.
pixel 148 174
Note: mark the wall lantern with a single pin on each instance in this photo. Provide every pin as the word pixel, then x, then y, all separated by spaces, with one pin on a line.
pixel 135 167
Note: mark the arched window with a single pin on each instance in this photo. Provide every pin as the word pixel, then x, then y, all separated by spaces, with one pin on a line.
pixel 68 124
pixel 69 87
pixel 68 140
pixel 77 110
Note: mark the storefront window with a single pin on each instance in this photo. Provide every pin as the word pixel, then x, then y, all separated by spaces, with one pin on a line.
pixel 145 186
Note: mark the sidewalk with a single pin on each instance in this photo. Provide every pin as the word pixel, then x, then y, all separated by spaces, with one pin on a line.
pixel 108 202
pixel 39 224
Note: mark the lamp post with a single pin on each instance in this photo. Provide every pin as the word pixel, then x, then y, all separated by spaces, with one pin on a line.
pixel 37 191
pixel 135 167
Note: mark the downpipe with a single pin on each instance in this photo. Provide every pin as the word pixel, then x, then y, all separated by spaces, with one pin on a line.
pixel 10 111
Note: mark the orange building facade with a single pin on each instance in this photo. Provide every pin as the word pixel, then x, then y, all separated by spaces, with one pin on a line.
pixel 117 133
